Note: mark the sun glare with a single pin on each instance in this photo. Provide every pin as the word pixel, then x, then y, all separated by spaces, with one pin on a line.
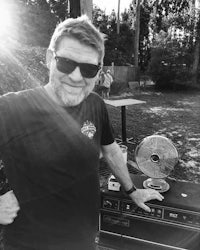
pixel 5 17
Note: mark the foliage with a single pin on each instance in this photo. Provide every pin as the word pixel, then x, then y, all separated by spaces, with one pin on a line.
pixel 43 4
pixel 163 9
pixel 33 23
pixel 118 47
pixel 144 41
pixel 170 63
pixel 59 8
pixel 179 20
pixel 21 67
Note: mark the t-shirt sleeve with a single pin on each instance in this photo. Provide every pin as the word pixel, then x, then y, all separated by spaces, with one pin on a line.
pixel 107 136
pixel 3 113
pixel 7 109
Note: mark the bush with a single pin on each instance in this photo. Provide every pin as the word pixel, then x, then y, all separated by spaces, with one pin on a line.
pixel 166 70
pixel 170 63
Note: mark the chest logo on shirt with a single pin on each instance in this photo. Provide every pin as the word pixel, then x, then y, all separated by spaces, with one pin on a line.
pixel 88 129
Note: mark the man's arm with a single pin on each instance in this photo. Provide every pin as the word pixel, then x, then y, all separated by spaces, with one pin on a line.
pixel 114 157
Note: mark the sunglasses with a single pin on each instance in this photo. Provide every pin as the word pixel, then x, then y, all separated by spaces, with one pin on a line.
pixel 67 66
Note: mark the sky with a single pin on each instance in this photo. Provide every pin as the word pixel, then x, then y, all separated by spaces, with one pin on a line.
pixel 109 5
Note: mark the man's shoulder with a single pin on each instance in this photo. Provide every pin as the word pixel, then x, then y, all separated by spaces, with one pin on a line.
pixel 17 100
pixel 95 99
pixel 94 96
pixel 10 97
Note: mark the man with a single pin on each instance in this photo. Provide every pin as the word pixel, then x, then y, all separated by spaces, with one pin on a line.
pixel 50 141
pixel 108 79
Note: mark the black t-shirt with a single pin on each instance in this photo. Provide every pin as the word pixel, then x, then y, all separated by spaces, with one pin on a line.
pixel 51 157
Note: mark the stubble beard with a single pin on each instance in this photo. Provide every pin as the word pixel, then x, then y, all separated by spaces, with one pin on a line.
pixel 71 99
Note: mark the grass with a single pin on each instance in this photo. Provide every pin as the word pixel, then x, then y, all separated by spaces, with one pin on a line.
pixel 174 115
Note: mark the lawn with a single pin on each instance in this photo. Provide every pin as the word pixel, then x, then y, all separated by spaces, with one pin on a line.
pixel 174 115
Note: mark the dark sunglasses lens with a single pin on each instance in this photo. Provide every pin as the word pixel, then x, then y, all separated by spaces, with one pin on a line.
pixel 67 66
pixel 64 65
pixel 89 70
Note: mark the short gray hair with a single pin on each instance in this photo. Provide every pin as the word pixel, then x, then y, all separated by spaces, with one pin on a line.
pixel 83 30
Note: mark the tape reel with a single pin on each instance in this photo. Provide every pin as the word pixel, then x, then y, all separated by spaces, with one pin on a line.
pixel 156 157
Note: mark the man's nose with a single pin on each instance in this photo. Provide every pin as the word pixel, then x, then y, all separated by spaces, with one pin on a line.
pixel 76 74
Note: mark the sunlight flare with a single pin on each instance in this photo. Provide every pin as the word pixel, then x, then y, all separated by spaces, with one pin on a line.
pixel 5 17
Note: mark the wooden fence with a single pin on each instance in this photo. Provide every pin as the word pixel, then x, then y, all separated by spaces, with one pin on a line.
pixel 122 73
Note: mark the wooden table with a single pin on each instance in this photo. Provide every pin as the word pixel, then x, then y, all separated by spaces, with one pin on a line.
pixel 123 103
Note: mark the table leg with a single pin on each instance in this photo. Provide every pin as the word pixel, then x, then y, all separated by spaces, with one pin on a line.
pixel 123 117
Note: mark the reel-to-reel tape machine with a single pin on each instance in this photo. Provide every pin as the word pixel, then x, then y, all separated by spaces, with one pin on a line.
pixel 173 223
pixel 156 157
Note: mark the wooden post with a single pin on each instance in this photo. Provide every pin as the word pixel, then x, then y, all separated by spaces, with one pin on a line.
pixel 75 9
pixel 137 38
pixel 86 8
pixel 118 18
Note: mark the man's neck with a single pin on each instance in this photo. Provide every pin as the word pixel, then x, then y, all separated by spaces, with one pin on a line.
pixel 51 94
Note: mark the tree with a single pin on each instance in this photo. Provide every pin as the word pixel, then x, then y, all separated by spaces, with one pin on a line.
pixel 195 65
pixel 43 4
pixel 136 38
pixel 118 47
pixel 180 21
pixel 34 22
pixel 60 8
pixel 139 17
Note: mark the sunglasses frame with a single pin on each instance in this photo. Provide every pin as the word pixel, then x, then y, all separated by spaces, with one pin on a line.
pixel 74 65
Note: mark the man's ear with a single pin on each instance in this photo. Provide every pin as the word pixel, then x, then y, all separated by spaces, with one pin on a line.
pixel 49 56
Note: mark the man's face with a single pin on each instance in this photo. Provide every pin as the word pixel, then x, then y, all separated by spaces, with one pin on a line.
pixel 71 89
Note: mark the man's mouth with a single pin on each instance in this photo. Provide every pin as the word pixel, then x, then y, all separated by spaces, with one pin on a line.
pixel 73 85
pixel 72 89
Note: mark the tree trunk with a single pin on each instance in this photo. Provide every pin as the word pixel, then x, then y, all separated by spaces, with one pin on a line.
pixel 136 42
pixel 196 61
pixel 118 17
pixel 75 9
pixel 195 66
